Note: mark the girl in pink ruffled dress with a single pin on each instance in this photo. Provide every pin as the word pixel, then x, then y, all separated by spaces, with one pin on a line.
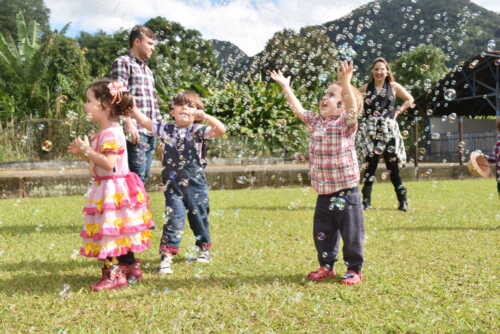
pixel 118 219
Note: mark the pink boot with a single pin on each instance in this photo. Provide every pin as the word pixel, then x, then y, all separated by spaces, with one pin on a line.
pixel 112 278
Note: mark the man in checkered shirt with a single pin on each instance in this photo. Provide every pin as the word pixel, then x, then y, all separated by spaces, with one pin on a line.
pixel 133 72
pixel 334 174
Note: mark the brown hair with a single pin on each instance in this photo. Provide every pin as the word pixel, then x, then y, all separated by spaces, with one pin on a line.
pixel 187 97
pixel 121 106
pixel 390 76
pixel 140 31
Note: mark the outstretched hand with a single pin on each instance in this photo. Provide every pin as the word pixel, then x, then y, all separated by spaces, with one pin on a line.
pixel 345 72
pixel 79 146
pixel 280 78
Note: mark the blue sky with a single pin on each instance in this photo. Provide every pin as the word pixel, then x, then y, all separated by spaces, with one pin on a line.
pixel 246 23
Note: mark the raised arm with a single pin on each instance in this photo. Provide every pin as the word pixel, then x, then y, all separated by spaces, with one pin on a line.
pixel 217 128
pixel 292 100
pixel 344 75
pixel 404 95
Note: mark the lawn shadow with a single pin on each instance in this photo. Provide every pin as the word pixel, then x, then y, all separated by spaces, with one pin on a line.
pixel 52 283
pixel 270 208
pixel 45 266
pixel 440 228
pixel 27 229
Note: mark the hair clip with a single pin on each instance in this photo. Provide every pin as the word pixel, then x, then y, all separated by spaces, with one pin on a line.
pixel 116 89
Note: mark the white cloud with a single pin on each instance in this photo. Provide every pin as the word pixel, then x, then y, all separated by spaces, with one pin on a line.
pixel 239 21
pixel 246 23
pixel 493 5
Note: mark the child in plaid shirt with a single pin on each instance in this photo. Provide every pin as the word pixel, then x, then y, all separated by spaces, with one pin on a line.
pixel 334 174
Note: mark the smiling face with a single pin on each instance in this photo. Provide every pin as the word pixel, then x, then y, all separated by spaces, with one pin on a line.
pixel 379 71
pixel 331 103
pixel 183 114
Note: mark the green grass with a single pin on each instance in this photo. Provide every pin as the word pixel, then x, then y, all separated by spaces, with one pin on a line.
pixel 432 270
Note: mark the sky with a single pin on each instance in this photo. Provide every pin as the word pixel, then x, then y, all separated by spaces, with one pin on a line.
pixel 245 23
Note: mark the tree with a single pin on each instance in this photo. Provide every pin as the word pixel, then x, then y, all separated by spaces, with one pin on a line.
pixel 419 69
pixel 37 71
pixel 33 10
pixel 101 49
pixel 182 57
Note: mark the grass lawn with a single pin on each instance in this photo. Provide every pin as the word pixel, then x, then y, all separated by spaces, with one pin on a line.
pixel 434 269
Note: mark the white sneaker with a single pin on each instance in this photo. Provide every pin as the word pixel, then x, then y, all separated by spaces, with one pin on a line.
pixel 203 256
pixel 166 265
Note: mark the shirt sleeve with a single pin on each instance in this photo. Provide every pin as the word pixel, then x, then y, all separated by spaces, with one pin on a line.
pixel 202 131
pixel 159 128
pixel 309 117
pixel 111 143
pixel 120 71
pixel 350 124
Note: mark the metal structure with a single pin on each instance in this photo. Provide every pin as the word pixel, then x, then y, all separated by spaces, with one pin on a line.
pixel 470 90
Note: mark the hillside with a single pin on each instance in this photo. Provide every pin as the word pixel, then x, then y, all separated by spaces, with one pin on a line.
pixel 389 27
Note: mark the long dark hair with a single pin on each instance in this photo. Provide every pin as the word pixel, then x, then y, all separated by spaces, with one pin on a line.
pixel 390 76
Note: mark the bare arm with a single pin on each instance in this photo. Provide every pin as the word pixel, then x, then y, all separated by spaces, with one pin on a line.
pixel 142 119
pixel 403 94
pixel 292 100
pixel 81 148
pixel 217 128
pixel 344 76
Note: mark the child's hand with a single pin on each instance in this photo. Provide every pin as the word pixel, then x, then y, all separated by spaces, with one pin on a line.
pixel 199 115
pixel 72 148
pixel 79 146
pixel 345 71
pixel 280 78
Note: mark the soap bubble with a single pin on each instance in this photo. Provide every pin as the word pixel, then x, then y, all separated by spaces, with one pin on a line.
pixel 450 94
pixel 47 146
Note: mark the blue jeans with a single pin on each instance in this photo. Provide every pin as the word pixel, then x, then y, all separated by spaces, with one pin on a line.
pixel 190 199
pixel 140 156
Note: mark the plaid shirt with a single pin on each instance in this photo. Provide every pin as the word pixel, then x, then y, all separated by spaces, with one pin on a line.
pixel 135 74
pixel 332 154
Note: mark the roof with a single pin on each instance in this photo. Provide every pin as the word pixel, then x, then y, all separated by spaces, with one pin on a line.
pixel 469 90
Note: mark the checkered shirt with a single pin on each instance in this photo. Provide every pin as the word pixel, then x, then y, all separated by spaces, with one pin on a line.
pixel 135 74
pixel 332 154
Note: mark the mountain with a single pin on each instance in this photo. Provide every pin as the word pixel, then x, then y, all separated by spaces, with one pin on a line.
pixel 227 53
pixel 389 28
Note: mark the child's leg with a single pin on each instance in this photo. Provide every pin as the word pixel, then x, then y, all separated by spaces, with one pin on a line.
pixel 127 259
pixel 352 231
pixel 175 216
pixel 325 232
pixel 196 201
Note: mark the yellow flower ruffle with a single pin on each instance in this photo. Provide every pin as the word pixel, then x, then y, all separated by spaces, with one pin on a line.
pixel 111 146
pixel 94 249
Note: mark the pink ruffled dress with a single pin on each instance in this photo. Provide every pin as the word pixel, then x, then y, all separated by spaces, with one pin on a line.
pixel 117 214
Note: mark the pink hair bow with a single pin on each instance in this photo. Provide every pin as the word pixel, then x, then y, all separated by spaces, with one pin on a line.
pixel 116 89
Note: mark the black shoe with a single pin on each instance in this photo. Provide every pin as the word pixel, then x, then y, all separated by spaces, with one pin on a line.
pixel 403 206
pixel 366 205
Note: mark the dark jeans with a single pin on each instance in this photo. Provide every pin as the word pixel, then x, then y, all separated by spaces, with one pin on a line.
pixel 140 156
pixel 339 215
pixel 193 200
pixel 391 162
